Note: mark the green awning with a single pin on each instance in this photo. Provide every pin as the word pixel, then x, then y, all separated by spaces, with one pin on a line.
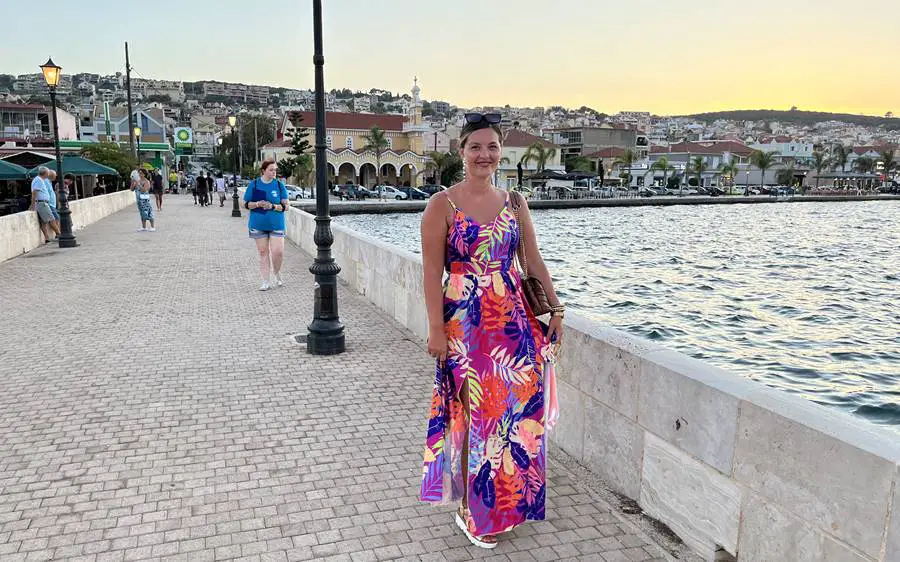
pixel 79 166
pixel 10 171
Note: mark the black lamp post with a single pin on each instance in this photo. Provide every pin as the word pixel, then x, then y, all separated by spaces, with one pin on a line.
pixel 236 207
pixel 326 333
pixel 66 237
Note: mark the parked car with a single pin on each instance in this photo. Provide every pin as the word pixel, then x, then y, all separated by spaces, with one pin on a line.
pixel 390 192
pixel 414 194
pixel 297 193
pixel 431 189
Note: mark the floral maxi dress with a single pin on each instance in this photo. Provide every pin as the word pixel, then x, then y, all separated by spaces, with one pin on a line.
pixel 497 348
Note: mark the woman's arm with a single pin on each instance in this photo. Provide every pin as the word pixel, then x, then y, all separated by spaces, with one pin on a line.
pixel 536 266
pixel 434 248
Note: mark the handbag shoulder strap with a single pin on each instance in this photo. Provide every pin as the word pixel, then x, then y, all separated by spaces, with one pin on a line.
pixel 520 250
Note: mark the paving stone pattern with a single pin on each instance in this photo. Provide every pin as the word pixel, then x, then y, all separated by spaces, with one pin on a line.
pixel 153 406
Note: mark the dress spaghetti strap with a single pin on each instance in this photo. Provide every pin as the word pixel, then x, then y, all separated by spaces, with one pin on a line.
pixel 452 204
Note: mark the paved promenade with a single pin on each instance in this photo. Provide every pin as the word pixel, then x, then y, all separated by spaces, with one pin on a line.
pixel 154 406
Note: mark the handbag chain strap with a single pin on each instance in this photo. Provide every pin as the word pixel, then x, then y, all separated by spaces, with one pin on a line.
pixel 523 261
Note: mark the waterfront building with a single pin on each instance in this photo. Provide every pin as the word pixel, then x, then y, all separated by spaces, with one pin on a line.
pixel 403 163
pixel 515 145
pixel 579 141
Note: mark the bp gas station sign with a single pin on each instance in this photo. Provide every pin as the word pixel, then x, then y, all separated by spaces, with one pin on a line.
pixel 184 140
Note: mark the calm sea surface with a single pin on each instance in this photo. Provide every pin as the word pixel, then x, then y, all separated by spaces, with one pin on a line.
pixel 804 297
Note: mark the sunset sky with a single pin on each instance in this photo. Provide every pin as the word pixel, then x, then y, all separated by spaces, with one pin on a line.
pixel 663 56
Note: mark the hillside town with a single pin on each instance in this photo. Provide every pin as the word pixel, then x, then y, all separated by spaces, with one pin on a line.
pixel 185 125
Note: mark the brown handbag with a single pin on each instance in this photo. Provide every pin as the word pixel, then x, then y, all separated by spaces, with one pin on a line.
pixel 531 286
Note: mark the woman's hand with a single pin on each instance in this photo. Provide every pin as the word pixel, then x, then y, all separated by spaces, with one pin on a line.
pixel 555 331
pixel 437 344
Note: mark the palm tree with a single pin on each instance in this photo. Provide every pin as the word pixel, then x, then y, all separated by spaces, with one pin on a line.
pixel 839 156
pixel 540 154
pixel 888 163
pixel 763 161
pixel 663 166
pixel 864 164
pixel 627 160
pixel 438 161
pixel 786 175
pixel 377 142
pixel 819 162
pixel 699 166
pixel 730 170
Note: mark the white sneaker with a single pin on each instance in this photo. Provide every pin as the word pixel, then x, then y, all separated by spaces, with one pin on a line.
pixel 142 229
pixel 151 229
pixel 278 281
pixel 264 286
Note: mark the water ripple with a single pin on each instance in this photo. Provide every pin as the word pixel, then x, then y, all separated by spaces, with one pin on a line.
pixel 802 297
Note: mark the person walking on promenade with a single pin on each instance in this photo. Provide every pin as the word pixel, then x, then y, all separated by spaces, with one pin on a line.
pixel 194 189
pixel 145 208
pixel 40 202
pixel 220 189
pixel 267 200
pixel 158 189
pixel 494 394
pixel 202 189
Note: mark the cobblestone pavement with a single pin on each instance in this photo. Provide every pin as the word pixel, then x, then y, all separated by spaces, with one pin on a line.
pixel 153 406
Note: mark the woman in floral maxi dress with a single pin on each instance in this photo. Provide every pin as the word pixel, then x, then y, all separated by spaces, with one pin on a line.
pixel 494 397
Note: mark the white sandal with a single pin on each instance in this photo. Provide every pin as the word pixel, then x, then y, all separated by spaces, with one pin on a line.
pixel 472 538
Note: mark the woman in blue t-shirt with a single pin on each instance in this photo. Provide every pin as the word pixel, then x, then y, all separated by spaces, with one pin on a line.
pixel 267 200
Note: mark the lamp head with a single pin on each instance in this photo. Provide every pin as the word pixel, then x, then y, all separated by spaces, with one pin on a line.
pixel 137 132
pixel 51 73
pixel 232 120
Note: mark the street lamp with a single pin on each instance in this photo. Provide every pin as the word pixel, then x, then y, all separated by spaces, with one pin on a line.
pixel 137 134
pixel 747 189
pixel 66 237
pixel 235 208
pixel 326 333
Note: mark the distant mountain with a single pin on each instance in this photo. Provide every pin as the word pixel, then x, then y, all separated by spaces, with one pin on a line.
pixel 797 116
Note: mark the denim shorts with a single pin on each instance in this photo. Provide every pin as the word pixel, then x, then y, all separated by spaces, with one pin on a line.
pixel 259 234
pixel 55 213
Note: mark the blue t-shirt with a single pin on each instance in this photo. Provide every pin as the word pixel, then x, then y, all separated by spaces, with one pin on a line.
pixel 41 186
pixel 51 192
pixel 274 192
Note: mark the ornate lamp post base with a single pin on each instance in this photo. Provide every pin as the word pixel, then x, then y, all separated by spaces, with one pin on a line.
pixel 236 208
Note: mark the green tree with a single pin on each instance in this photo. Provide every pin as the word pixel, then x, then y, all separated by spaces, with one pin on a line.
pixel 453 169
pixel 763 161
pixel 662 165
pixel 888 162
pixel 820 163
pixel 864 165
pixel 839 156
pixel 627 160
pixel 438 162
pixel 112 155
pixel 698 166
pixel 286 167
pixel 578 164
pixel 377 142
pixel 729 170
pixel 785 176
pixel 540 154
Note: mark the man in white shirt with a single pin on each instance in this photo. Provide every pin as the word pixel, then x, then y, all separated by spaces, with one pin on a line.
pixel 220 189
pixel 40 201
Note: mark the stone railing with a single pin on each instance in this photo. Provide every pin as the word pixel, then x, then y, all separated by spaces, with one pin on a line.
pixel 727 463
pixel 20 232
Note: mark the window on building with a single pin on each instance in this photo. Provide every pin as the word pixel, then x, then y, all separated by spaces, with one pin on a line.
pixel 328 141
pixel 349 142
pixel 390 143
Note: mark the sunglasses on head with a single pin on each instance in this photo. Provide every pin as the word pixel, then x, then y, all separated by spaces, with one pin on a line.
pixel 490 118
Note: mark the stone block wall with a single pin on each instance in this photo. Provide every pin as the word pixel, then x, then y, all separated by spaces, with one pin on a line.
pixel 725 462
pixel 20 232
